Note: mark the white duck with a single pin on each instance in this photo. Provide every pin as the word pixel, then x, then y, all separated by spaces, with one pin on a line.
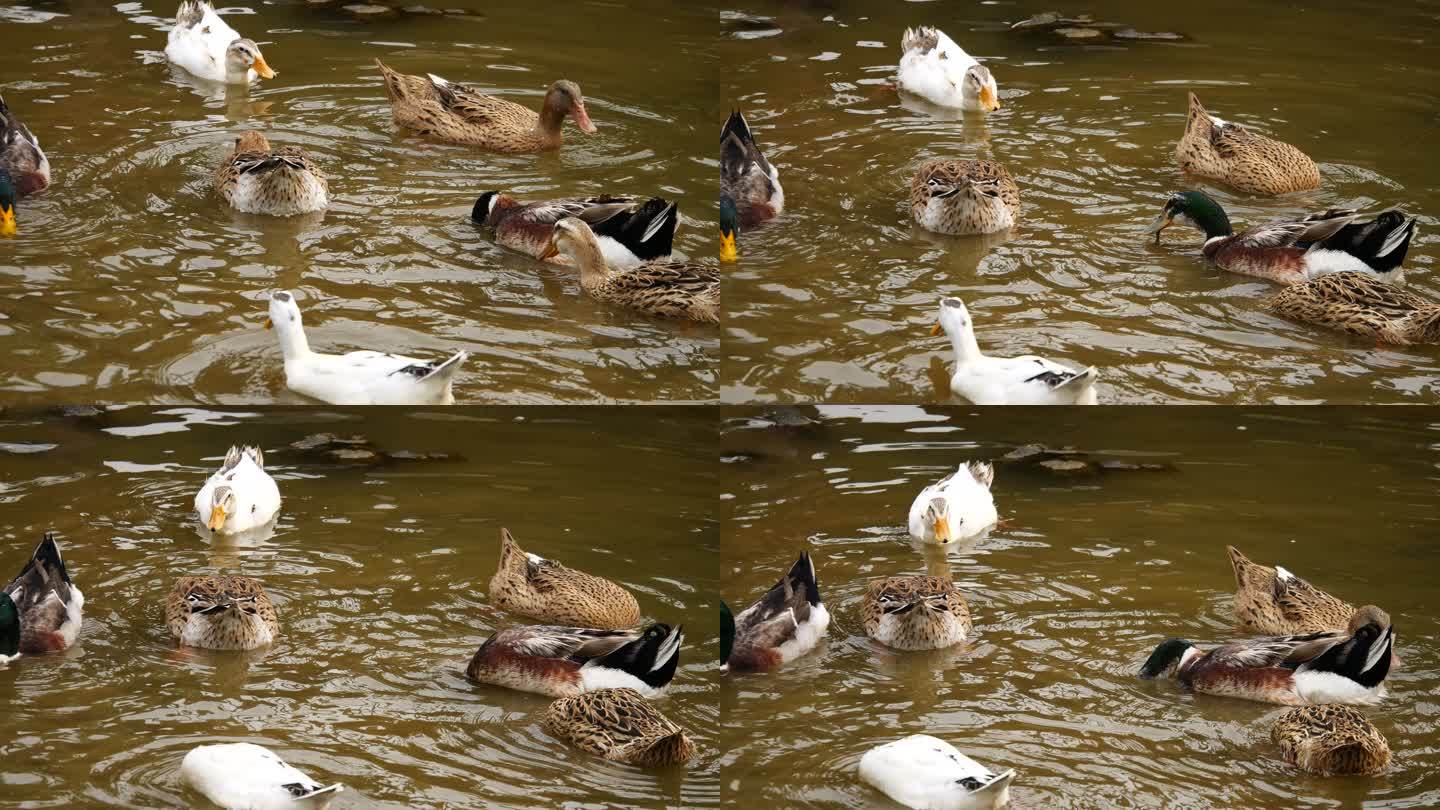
pixel 202 43
pixel 240 495
pixel 245 776
pixel 357 378
pixel 933 67
pixel 956 507
pixel 927 773
pixel 1024 380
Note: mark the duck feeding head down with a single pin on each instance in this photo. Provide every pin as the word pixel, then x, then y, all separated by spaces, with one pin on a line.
pixel 242 56
pixel 564 99
pixel 1196 209
pixel 573 239
pixel 7 205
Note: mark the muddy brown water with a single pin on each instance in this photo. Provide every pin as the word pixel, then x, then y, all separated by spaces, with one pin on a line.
pixel 131 282
pixel 380 570
pixel 833 302
pixel 1084 575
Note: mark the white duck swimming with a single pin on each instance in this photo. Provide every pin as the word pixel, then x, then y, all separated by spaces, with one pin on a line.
pixel 202 43
pixel 245 776
pixel 927 773
pixel 357 378
pixel 956 507
pixel 240 495
pixel 1024 380
pixel 933 67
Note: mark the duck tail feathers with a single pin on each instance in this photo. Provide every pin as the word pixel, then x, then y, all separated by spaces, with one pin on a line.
pixel 802 573
pixel 1000 782
pixel 736 125
pixel 47 558
pixel 921 38
pixel 318 793
pixel 1081 378
pixel 446 370
pixel 672 748
pixel 1398 239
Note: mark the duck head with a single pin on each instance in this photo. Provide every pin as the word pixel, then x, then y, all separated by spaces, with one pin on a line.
pixel 1196 209
pixel 285 320
pixel 489 206
pixel 222 505
pixel 980 89
pixel 937 516
pixel 242 56
pixel 9 627
pixel 8 196
pixel 564 99
pixel 572 238
pixel 729 229
pixel 1167 659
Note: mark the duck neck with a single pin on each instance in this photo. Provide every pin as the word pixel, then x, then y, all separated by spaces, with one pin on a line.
pixel 590 261
pixel 967 348
pixel 293 343
pixel 552 119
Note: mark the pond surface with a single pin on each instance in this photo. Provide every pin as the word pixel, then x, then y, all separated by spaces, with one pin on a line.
pixel 380 570
pixel 132 282
pixel 1083 576
pixel 833 302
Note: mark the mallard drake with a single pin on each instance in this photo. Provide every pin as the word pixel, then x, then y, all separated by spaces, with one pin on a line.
pixel 746 177
pixel 1291 251
pixel 964 197
pixel 619 725
pixel 45 610
pixel 1360 304
pixel 630 230
pixel 1330 740
pixel 533 586
pixel 454 113
pixel 281 182
pixel 927 773
pixel 245 775
pixel 1232 154
pixel 205 45
pixel 361 377
pixel 21 156
pixel 1024 380
pixel 240 495
pixel 956 507
pixel 729 229
pixel 221 613
pixel 933 67
pixel 1329 667
pixel 915 613
pixel 1275 602
pixel 665 289
pixel 8 195
pixel 787 622
pixel 565 661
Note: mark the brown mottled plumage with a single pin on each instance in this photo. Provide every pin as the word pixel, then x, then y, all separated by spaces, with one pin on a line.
pixel 546 590
pixel 221 613
pixel 665 289
pixel 1275 602
pixel 619 725
pixel 915 613
pixel 280 181
pixel 454 113
pixel 964 197
pixel 1234 155
pixel 1331 740
pixel 1363 305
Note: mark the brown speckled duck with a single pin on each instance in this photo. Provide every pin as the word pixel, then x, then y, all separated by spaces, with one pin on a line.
pixel 630 230
pixel 964 197
pixel 665 289
pixel 454 113
pixel 1219 150
pixel 1360 304
pixel 915 613
pixel 280 181
pixel 1275 602
pixel 533 586
pixel 619 725
pixel 221 613
pixel 1330 740
pixel 20 154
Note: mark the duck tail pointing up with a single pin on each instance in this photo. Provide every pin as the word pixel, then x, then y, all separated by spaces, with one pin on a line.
pixel 1198 120
pixel 802 574
pixel 668 750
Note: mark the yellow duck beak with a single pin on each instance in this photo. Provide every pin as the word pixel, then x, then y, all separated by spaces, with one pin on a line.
pixel 942 530
pixel 728 251
pixel 936 329
pixel 269 324
pixel 260 66
pixel 7 222
pixel 217 518
pixel 551 251
pixel 989 102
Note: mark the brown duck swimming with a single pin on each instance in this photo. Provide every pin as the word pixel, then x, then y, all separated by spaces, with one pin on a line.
pixel 665 289
pixel 221 613
pixel 454 113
